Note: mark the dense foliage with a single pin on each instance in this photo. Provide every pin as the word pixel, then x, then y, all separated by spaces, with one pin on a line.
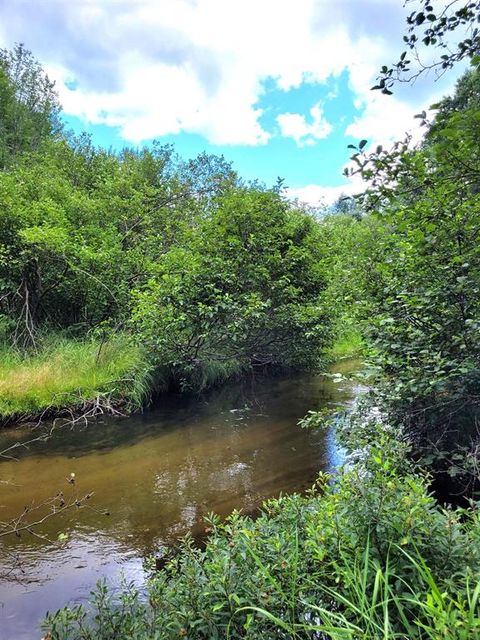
pixel 91 240
pixel 244 290
pixel 414 280
pixel 209 275
pixel 369 556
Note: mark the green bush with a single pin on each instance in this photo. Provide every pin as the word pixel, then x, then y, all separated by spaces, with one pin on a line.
pixel 367 555
pixel 246 290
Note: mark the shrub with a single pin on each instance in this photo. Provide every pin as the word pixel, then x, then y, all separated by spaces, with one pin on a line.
pixel 369 554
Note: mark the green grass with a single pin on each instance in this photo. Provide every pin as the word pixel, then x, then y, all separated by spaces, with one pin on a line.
pixel 348 344
pixel 375 603
pixel 211 373
pixel 66 373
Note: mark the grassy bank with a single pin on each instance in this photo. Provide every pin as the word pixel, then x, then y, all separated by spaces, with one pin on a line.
pixel 70 374
pixel 348 344
pixel 67 375
pixel 370 555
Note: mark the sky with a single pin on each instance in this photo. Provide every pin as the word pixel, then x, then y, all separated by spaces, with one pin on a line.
pixel 279 87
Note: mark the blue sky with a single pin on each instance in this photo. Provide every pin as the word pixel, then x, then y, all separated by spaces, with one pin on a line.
pixel 296 162
pixel 279 87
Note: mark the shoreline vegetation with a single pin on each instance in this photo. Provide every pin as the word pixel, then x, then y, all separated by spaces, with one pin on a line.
pixel 204 274
pixel 366 554
pixel 68 379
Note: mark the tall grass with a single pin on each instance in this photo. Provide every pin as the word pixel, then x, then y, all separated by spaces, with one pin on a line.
pixel 348 344
pixel 212 373
pixel 376 603
pixel 66 373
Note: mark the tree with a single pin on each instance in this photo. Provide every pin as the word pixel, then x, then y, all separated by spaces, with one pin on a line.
pixel 422 305
pixel 29 107
pixel 345 205
pixel 244 290
pixel 465 98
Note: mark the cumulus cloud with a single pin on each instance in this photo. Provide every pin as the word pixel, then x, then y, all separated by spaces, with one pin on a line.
pixel 315 195
pixel 383 121
pixel 154 68
pixel 294 125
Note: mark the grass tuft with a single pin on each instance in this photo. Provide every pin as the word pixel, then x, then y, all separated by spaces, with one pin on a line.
pixel 212 373
pixel 67 373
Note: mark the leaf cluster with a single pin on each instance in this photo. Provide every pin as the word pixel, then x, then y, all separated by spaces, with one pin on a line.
pixel 434 25
pixel 370 551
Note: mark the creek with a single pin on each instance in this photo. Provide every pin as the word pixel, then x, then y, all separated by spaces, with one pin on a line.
pixel 157 475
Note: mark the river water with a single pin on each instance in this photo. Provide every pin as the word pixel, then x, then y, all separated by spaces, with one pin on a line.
pixel 157 475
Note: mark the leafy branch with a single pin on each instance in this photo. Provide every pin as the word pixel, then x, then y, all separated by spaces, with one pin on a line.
pixel 428 28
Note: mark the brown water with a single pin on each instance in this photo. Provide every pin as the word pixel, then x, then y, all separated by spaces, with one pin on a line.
pixel 157 475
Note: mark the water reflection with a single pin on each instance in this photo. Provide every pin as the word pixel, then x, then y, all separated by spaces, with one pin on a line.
pixel 157 475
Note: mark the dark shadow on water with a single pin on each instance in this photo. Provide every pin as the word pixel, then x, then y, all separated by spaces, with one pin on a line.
pixel 255 394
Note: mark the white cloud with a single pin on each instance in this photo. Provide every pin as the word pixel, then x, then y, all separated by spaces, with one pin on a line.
pixel 383 120
pixel 386 119
pixel 294 125
pixel 152 68
pixel 315 195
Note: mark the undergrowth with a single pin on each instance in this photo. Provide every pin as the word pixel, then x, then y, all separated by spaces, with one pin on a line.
pixel 348 344
pixel 206 374
pixel 68 373
pixel 369 555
